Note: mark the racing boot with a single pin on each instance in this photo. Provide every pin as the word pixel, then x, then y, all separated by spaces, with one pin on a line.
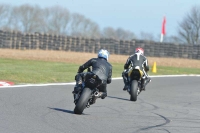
pixel 76 96
pixel 125 79
pixel 144 82
pixel 147 80
pixel 125 87
pixel 78 85
pixel 77 90
pixel 101 95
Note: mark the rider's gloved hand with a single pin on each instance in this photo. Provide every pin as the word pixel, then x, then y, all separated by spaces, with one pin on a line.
pixel 79 71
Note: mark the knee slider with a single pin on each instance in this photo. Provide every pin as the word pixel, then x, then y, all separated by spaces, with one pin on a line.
pixel 147 68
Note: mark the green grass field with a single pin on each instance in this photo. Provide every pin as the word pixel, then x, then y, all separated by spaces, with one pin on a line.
pixel 29 71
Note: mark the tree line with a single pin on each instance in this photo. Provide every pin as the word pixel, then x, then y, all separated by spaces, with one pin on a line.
pixel 59 20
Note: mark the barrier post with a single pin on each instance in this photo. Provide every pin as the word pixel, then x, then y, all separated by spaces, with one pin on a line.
pixel 154 70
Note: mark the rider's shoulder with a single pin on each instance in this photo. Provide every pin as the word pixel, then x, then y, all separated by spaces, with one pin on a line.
pixel 94 58
pixel 109 64
pixel 131 55
pixel 144 56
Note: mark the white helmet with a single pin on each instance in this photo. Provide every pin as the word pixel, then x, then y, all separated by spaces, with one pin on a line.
pixel 103 54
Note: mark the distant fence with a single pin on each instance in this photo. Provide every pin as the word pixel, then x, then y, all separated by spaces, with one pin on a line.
pixel 28 41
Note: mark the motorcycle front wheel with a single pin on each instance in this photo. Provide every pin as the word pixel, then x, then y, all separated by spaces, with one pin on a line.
pixel 82 102
pixel 134 90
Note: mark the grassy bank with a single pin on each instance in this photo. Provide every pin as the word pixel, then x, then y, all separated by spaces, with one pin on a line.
pixel 31 71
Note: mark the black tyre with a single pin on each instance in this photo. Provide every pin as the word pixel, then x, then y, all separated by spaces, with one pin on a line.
pixel 134 90
pixel 82 102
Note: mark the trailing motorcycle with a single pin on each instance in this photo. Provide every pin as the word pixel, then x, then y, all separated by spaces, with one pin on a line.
pixel 89 93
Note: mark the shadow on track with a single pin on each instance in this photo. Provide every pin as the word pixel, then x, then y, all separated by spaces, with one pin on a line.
pixel 66 111
pixel 118 98
pixel 63 110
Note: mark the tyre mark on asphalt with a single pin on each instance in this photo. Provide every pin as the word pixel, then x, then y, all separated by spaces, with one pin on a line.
pixel 154 106
pixel 165 130
pixel 156 126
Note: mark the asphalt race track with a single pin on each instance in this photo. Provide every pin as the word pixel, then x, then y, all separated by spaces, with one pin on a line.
pixel 169 105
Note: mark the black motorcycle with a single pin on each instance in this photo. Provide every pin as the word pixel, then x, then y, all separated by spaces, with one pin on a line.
pixel 134 79
pixel 89 93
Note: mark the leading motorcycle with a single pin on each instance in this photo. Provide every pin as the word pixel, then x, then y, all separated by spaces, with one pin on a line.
pixel 134 79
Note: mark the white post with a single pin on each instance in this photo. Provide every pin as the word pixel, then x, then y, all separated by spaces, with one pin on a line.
pixel 161 38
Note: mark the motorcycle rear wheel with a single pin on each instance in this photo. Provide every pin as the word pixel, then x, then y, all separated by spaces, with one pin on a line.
pixel 82 102
pixel 134 90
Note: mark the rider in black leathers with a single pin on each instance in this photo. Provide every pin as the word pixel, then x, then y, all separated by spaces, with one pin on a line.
pixel 101 67
pixel 137 59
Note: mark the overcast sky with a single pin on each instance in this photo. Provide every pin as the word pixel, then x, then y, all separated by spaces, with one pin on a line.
pixel 134 15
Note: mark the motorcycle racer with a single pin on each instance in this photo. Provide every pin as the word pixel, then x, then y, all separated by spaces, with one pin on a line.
pixel 100 67
pixel 137 60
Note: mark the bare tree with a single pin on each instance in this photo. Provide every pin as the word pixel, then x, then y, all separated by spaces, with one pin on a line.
pixel 124 34
pixel 147 36
pixel 27 18
pixel 81 26
pixel 93 30
pixel 109 32
pixel 56 20
pixel 119 34
pixel 189 28
pixel 5 16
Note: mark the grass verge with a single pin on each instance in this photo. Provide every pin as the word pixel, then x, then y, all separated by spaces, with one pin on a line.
pixel 29 71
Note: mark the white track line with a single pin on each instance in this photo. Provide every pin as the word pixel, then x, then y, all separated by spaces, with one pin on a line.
pixel 73 83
